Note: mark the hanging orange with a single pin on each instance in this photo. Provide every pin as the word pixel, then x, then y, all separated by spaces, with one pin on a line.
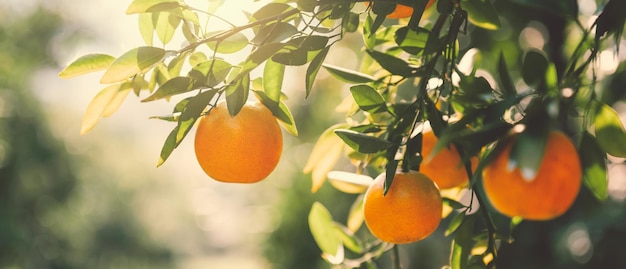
pixel 446 167
pixel 244 148
pixel 403 11
pixel 549 194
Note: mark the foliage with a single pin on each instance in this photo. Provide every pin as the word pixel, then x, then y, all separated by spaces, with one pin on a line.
pixel 411 78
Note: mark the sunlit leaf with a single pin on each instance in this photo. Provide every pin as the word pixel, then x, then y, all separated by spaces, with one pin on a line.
pixel 237 95
pixel 280 111
pixel 132 62
pixel 192 112
pixel 394 65
pixel 411 41
pixel 593 159
pixel 96 107
pixel 314 68
pixel 211 72
pixel 355 216
pixel 323 229
pixel 231 44
pixel 168 147
pixel 348 75
pixel 325 154
pixel 462 244
pixel 610 131
pixel 273 74
pixel 117 99
pixel 165 26
pixel 455 223
pixel 361 142
pixel 349 182
pixel 86 64
pixel 368 98
pixel 146 27
pixel 348 239
pixel 274 33
pixel 482 13
pixel 139 6
pixel 172 87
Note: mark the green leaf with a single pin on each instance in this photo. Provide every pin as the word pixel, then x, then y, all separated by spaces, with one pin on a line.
pixel 296 57
pixel 462 244
pixel 165 26
pixel 507 85
pixel 141 6
pixel 453 203
pixel 534 67
pixel 272 10
pixel 593 160
pixel 314 68
pixel 394 65
pixel 361 142
pixel 86 64
pixel 132 62
pixel 455 223
pixel 176 64
pixel 231 44
pixel 273 74
pixel 411 41
pixel 610 131
pixel 347 238
pixel 368 98
pixel 350 22
pixel 211 73
pixel 237 95
pixel 168 147
pixel 96 107
pixel 527 153
pixel 280 111
pixel 348 75
pixel 172 87
pixel 274 33
pixel 146 27
pixel 355 216
pixel 192 111
pixel 323 229
pixel 482 13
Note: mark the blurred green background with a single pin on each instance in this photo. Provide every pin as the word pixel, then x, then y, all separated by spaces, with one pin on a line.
pixel 97 201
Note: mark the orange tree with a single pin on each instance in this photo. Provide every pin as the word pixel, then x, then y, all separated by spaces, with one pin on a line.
pixel 418 74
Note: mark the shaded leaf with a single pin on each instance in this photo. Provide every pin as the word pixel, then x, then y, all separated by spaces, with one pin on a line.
pixel 348 75
pixel 231 44
pixel 527 153
pixel 313 69
pixel 394 65
pixel 237 95
pixel 192 111
pixel 132 62
pixel 324 155
pixel 347 238
pixel 86 64
pixel 361 142
pixel 274 33
pixel 482 13
pixel 165 26
pixel 455 223
pixel 506 83
pixel 593 160
pixel 168 146
pixel 172 87
pixel 280 111
pixel 411 41
pixel 462 244
pixel 534 67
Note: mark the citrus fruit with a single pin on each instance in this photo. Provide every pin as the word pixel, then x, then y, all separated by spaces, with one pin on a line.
pixel 549 194
pixel 410 211
pixel 445 168
pixel 403 11
pixel 244 148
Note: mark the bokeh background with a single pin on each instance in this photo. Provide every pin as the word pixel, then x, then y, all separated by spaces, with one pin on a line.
pixel 98 200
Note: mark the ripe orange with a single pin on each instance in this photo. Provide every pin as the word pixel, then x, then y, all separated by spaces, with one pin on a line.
pixel 549 194
pixel 410 211
pixel 445 168
pixel 403 11
pixel 242 149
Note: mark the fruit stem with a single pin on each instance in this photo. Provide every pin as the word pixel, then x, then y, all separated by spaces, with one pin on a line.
pixel 395 258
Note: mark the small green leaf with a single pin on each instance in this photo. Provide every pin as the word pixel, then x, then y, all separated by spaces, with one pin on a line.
pixel 237 95
pixel 610 131
pixel 411 41
pixel 193 110
pixel 168 146
pixel 347 75
pixel 462 244
pixel 98 104
pixel 394 65
pixel 482 13
pixel 527 153
pixel 453 203
pixel 455 223
pixel 350 22
pixel 348 239
pixel 323 229
pixel 280 111
pixel 132 62
pixel 273 74
pixel 314 68
pixel 146 27
pixel 361 142
pixel 231 44
pixel 368 98
pixel 140 6
pixel 172 87
pixel 356 217
pixel 593 160
pixel 86 64
pixel 507 86
pixel 534 67
pixel 165 26
pixel 274 33
pixel 211 73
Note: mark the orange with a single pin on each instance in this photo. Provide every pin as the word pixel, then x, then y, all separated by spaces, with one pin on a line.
pixel 241 149
pixel 446 167
pixel 549 194
pixel 403 11
pixel 410 211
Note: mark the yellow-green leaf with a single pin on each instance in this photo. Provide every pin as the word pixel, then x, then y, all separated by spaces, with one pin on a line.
pixel 132 62
pixel 325 154
pixel 117 100
pixel 96 107
pixel 610 131
pixel 140 6
pixel 323 229
pixel 86 64
pixel 349 182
